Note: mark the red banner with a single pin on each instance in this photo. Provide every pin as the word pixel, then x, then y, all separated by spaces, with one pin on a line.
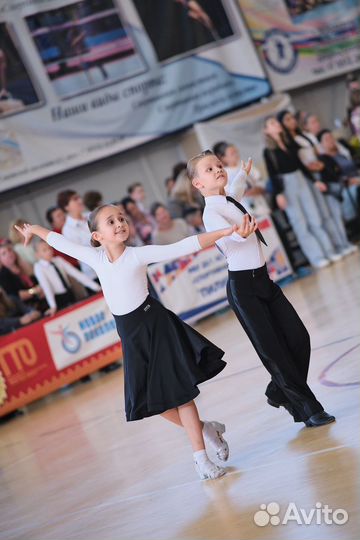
pixel 56 351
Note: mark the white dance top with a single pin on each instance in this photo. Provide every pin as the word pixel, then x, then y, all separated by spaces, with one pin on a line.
pixel 124 281
pixel 241 253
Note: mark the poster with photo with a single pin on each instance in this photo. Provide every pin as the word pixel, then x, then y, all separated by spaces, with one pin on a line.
pixel 84 45
pixel 115 74
pixel 304 41
pixel 17 91
pixel 180 27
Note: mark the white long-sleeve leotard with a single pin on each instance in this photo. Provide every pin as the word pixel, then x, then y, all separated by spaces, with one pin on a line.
pixel 124 282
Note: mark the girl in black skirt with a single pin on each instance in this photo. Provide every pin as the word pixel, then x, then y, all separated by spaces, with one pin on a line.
pixel 164 358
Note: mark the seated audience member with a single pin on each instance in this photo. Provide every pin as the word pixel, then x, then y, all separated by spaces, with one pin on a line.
pixel 53 274
pixel 143 223
pixel 193 217
pixel 341 168
pixel 56 217
pixel 93 199
pixel 14 279
pixel 14 313
pixel 168 230
pixel 27 253
pixel 183 196
pixel 76 228
pixel 137 193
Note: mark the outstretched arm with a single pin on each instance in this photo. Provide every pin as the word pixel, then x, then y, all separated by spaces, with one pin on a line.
pixel 86 254
pixel 151 254
pixel 28 231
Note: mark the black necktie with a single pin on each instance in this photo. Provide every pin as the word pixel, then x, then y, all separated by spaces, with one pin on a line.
pixel 62 279
pixel 244 211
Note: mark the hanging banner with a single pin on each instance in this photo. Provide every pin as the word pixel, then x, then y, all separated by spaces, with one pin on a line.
pixel 52 352
pixel 302 42
pixel 195 286
pixel 81 80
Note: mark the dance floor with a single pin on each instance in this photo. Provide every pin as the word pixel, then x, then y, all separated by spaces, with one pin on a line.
pixel 73 469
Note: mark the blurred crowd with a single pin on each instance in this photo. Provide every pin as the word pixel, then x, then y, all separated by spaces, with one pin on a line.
pixel 311 178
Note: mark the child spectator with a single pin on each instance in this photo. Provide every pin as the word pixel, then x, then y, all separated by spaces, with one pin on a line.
pixel 53 274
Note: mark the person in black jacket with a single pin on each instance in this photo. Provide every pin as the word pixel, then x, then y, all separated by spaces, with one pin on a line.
pixel 293 195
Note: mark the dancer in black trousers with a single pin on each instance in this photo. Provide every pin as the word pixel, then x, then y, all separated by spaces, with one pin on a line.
pixel 270 321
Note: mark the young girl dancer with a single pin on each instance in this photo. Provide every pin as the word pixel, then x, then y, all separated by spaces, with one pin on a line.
pixel 164 358
pixel 270 321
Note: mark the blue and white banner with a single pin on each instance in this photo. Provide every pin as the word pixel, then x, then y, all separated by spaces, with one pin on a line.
pixel 81 80
pixel 80 333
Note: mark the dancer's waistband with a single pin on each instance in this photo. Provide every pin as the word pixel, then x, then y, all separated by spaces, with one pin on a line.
pixel 239 274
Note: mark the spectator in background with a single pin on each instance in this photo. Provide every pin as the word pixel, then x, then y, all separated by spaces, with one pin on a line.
pixel 353 111
pixel 178 168
pixel 344 169
pixel 331 219
pixel 193 217
pixel 15 280
pixel 312 127
pixel 168 230
pixel 253 197
pixel 56 217
pixel 183 196
pixel 75 228
pixel 294 196
pixel 93 199
pixel 27 253
pixel 169 184
pixel 143 223
pixel 137 193
pixel 53 273
pixel 14 313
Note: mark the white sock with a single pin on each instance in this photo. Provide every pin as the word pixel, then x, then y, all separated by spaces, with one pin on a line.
pixel 205 468
pixel 212 432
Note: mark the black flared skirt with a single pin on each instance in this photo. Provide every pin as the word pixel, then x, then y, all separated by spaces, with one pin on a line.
pixel 164 360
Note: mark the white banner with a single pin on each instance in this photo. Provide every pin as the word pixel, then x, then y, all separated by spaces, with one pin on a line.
pixel 80 333
pixel 81 80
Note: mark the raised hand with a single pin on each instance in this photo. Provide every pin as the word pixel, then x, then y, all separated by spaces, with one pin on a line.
pixel 26 231
pixel 246 166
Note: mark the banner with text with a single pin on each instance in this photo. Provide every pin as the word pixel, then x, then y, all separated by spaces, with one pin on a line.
pixel 48 354
pixel 195 286
pixel 81 80
pixel 306 41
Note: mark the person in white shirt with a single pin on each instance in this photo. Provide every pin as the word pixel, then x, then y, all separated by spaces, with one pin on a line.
pixel 53 274
pixel 75 227
pixel 270 321
pixel 164 358
pixel 253 197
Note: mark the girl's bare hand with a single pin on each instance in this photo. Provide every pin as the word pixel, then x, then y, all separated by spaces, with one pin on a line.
pixel 246 166
pixel 26 231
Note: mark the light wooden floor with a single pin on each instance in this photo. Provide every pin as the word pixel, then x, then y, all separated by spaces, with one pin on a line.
pixel 73 469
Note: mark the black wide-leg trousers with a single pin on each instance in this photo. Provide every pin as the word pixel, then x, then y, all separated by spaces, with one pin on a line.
pixel 278 336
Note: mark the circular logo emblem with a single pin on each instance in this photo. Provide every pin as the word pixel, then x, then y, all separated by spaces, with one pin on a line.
pixel 279 52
